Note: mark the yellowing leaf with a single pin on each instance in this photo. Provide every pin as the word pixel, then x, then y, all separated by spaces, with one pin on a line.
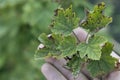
pixel 95 19
pixel 68 46
pixel 65 21
pixel 50 43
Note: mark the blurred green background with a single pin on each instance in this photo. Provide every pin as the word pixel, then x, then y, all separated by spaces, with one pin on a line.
pixel 22 21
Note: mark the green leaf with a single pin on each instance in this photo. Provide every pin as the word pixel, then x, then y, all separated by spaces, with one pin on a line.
pixel 50 44
pixel 68 46
pixel 95 19
pixel 92 49
pixel 105 64
pixel 65 21
pixel 43 38
pixel 74 64
pixel 21 22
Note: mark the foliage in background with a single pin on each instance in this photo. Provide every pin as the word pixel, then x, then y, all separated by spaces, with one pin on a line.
pixel 114 29
pixel 115 26
pixel 21 21
pixel 78 6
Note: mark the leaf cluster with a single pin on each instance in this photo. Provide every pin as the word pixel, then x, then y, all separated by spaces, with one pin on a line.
pixel 62 43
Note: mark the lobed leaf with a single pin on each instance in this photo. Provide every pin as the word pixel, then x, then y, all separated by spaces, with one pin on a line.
pixel 68 46
pixel 50 43
pixel 92 49
pixel 105 64
pixel 75 64
pixel 95 19
pixel 65 21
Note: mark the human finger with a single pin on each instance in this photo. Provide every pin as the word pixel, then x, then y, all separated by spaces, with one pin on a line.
pixel 80 34
pixel 59 64
pixel 114 75
pixel 51 73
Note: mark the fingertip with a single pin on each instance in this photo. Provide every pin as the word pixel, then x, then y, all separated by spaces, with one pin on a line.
pixel 51 73
pixel 45 67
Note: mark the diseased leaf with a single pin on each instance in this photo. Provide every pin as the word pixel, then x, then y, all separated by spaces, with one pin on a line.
pixel 105 64
pixel 95 19
pixel 43 38
pixel 74 64
pixel 68 46
pixel 64 21
pixel 92 49
pixel 50 43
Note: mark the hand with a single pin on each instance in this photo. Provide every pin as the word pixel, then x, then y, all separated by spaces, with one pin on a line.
pixel 54 69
